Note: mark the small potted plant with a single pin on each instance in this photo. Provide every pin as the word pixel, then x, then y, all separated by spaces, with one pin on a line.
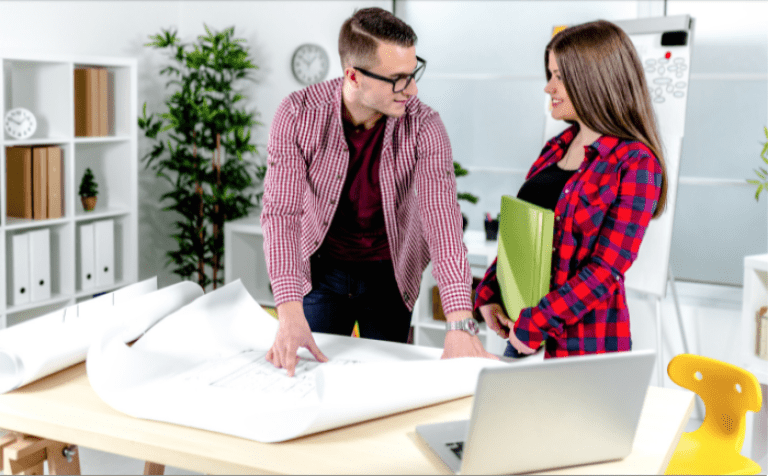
pixel 88 190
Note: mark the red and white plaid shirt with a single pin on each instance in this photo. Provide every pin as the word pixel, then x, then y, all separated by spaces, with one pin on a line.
pixel 306 169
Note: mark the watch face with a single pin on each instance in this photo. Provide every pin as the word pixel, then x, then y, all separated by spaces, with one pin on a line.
pixel 310 64
pixel 20 123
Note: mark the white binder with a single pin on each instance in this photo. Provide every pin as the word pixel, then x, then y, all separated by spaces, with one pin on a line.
pixel 21 277
pixel 104 244
pixel 87 257
pixel 40 264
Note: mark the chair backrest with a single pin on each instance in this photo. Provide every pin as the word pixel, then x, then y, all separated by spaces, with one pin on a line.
pixel 727 391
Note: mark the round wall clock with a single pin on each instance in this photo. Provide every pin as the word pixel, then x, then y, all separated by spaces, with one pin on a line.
pixel 310 64
pixel 20 123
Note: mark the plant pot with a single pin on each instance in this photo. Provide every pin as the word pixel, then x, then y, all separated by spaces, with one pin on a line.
pixel 89 203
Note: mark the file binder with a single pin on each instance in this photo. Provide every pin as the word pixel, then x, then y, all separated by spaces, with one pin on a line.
pixel 21 276
pixel 18 182
pixel 40 183
pixel 524 263
pixel 87 257
pixel 104 245
pixel 40 264
pixel 55 182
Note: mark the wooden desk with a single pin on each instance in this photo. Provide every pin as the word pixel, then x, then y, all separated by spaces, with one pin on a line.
pixel 64 407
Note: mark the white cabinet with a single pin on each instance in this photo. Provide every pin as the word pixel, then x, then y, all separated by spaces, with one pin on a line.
pixel 755 296
pixel 44 85
pixel 244 257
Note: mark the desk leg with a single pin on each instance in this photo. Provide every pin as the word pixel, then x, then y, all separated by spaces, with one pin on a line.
pixel 63 458
pixel 23 454
pixel 153 468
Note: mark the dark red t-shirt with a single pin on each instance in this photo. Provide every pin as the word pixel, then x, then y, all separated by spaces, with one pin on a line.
pixel 358 232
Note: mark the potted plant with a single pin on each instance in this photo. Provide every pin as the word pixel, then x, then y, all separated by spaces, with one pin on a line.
pixel 460 171
pixel 761 172
pixel 203 157
pixel 88 190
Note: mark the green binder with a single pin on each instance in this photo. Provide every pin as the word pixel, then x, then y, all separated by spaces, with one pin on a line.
pixel 524 261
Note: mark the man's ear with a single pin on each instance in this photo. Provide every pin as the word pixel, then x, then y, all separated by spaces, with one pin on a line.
pixel 351 75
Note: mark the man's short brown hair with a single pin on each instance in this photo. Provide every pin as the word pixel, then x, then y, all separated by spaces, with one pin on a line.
pixel 360 35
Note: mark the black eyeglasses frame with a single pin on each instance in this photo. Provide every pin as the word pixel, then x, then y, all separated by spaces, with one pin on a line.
pixel 419 71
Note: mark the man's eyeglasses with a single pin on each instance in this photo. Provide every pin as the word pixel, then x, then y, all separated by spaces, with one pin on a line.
pixel 400 83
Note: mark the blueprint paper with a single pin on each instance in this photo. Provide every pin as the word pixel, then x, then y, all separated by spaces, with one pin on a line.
pixel 44 345
pixel 173 373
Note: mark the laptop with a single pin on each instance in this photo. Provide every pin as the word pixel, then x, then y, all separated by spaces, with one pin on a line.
pixel 530 416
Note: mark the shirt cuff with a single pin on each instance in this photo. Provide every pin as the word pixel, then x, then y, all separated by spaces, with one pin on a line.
pixel 287 289
pixel 527 332
pixel 455 298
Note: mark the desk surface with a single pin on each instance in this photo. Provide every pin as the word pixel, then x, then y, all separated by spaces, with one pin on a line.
pixel 65 408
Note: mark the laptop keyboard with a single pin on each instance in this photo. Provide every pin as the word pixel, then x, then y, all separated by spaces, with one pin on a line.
pixel 457 448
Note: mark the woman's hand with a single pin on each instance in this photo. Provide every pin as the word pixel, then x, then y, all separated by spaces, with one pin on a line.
pixel 497 321
pixel 518 344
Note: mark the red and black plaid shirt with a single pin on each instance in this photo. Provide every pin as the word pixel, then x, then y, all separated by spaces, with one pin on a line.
pixel 600 220
pixel 306 170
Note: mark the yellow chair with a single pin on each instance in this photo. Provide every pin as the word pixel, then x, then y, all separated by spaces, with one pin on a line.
pixel 728 392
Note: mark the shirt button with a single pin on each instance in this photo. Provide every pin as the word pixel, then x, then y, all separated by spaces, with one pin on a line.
pixel 557 218
pixel 405 297
pixel 338 177
pixel 566 190
pixel 332 202
pixel 317 243
pixel 325 223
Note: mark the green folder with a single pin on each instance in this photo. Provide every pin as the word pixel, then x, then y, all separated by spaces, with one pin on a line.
pixel 524 262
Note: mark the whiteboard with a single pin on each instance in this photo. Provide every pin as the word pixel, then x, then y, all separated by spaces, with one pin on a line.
pixel 667 71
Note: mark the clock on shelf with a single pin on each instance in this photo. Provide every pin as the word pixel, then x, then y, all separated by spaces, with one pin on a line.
pixel 20 123
pixel 309 64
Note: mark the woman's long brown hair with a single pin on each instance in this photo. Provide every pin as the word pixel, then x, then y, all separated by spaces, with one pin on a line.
pixel 604 79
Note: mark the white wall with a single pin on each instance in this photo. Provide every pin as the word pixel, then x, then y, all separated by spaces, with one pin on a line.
pixel 272 28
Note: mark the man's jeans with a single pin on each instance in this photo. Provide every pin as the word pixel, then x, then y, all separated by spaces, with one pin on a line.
pixel 365 291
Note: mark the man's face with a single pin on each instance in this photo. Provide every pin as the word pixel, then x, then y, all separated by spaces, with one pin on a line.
pixel 394 62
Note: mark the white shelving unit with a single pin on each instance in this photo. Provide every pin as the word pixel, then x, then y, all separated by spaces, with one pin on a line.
pixel 755 296
pixel 45 86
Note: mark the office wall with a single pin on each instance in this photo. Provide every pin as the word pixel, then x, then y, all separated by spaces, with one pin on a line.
pixel 485 76
pixel 272 28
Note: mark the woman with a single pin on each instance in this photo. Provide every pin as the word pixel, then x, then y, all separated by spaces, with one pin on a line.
pixel 605 178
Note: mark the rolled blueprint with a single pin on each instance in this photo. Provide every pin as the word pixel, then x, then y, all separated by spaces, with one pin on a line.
pixel 44 345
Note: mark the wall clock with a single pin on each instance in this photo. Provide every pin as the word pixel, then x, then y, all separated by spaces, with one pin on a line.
pixel 310 64
pixel 20 123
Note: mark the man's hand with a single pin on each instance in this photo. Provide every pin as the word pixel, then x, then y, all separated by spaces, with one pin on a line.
pixel 497 321
pixel 461 343
pixel 292 332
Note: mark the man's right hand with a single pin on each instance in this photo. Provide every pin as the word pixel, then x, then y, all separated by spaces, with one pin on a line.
pixel 292 332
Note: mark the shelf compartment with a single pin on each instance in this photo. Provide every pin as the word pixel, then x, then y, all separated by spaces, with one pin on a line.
pixel 26 312
pixel 61 265
pixel 44 88
pixel 118 100
pixel 120 257
pixel 66 180
pixel 111 163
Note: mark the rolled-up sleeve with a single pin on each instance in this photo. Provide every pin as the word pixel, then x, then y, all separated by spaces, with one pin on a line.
pixel 441 216
pixel 284 187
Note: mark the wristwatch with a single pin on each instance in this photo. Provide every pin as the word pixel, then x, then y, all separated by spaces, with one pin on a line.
pixel 469 325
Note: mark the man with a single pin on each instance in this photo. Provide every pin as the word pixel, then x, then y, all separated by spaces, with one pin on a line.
pixel 359 194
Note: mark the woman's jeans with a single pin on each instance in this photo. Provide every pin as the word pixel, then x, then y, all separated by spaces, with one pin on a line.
pixel 365 291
